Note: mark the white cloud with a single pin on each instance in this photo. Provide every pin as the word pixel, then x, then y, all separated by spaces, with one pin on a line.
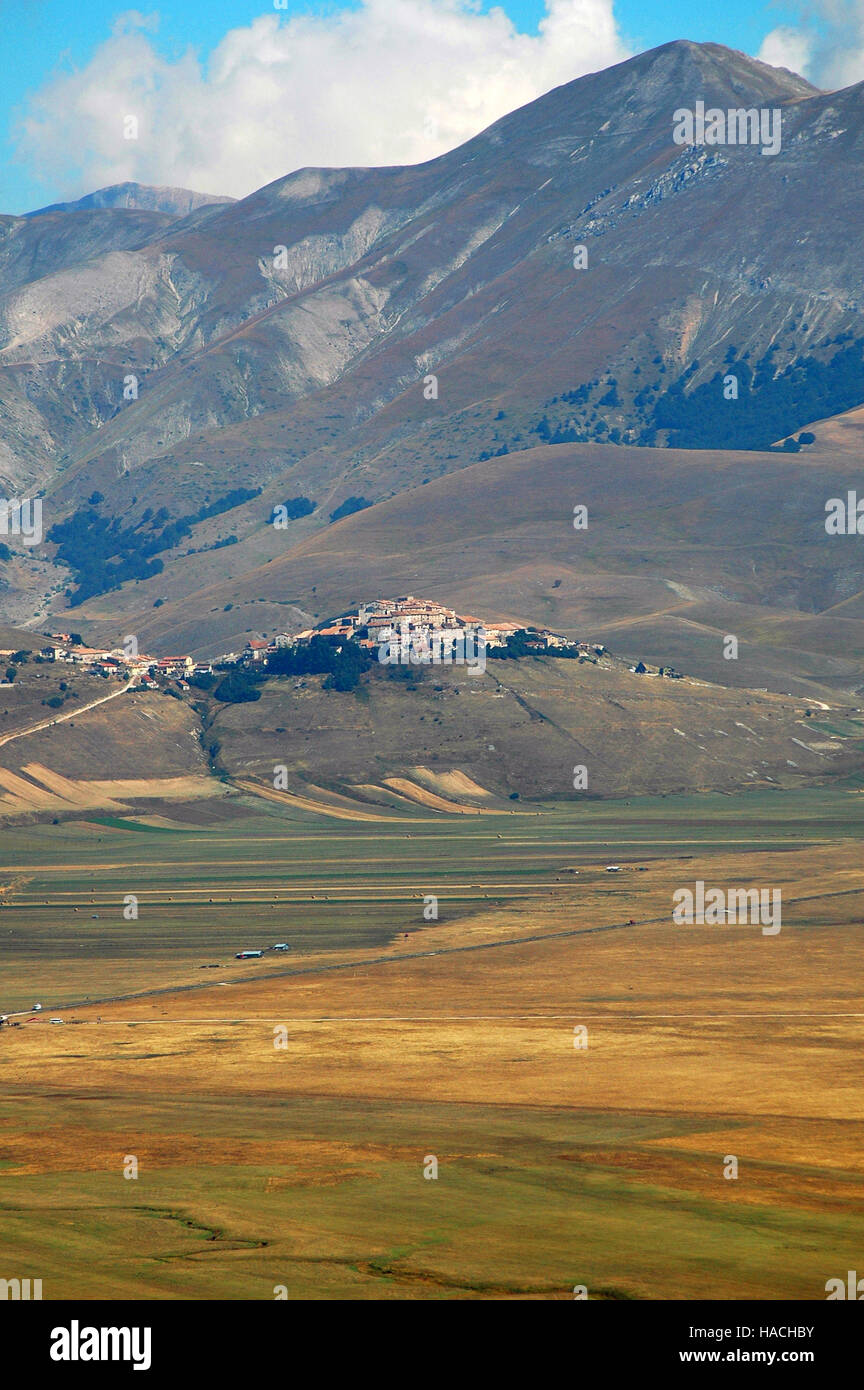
pixel 787 48
pixel 389 82
pixel 827 45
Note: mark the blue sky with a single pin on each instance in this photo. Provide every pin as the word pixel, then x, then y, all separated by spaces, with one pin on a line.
pixel 53 39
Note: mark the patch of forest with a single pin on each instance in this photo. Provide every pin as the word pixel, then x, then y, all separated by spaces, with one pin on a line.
pixel 103 553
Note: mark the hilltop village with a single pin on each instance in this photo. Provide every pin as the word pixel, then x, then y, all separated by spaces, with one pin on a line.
pixel 405 625
pixel 416 629
pixel 405 629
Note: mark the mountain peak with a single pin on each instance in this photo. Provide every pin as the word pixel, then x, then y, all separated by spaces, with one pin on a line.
pixel 142 197
pixel 641 94
pixel 714 62
pixel 683 72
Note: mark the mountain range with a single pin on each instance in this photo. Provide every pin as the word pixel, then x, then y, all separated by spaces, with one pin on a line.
pixel 140 196
pixel 453 353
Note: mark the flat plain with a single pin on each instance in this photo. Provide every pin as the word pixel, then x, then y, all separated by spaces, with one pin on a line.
pixel 282 1110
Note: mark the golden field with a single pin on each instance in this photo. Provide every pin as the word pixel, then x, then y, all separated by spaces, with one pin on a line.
pixel 295 1158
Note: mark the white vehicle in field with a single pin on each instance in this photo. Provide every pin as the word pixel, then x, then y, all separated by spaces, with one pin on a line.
pixel 36 1008
pixel 281 946
pixel 248 955
pixel 613 868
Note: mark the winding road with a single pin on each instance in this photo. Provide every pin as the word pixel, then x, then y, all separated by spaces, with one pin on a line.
pixel 60 718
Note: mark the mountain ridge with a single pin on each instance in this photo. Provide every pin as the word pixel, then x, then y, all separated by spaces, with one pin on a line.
pixel 140 197
pixel 306 378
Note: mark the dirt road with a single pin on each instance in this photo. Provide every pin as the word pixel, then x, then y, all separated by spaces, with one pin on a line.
pixel 60 718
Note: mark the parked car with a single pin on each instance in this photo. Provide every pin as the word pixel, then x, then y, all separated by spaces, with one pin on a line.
pixel 282 946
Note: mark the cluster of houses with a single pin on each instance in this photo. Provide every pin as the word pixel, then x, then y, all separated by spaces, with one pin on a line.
pixel 119 664
pixel 398 629
pixel 405 626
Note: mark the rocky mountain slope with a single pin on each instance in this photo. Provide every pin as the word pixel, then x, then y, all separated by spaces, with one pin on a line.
pixel 285 342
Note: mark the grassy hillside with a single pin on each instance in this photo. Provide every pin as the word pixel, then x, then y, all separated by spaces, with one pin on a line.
pixel 680 550
pixel 523 728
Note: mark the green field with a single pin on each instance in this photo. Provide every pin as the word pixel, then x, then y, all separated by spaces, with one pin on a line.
pixel 516 1211
pixel 205 892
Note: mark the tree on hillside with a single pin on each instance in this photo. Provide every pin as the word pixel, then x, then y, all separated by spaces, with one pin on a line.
pixel 238 688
